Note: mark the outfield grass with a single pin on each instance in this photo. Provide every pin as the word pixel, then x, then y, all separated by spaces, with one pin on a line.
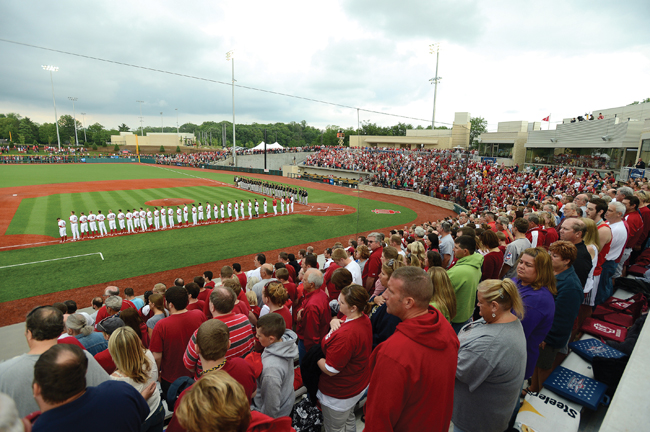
pixel 29 175
pixel 136 255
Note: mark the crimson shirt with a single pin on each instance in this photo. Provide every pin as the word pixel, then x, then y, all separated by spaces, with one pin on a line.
pixel 347 350
pixel 315 320
pixel 170 337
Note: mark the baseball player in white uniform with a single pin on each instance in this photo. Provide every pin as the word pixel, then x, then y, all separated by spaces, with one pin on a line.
pixel 143 222
pixel 100 222
pixel 292 202
pixel 163 217
pixel 282 205
pixel 179 215
pixel 129 221
pixel 92 224
pixel 236 210
pixel 229 210
pixel 223 213
pixel 241 207
pixel 83 223
pixel 170 217
pixel 265 207
pixel 156 218
pixel 74 226
pixel 250 210
pixel 186 214
pixel 62 230
pixel 257 208
pixel 194 214
pixel 112 227
pixel 208 213
pixel 120 219
pixel 149 218
pixel 201 213
pixel 136 219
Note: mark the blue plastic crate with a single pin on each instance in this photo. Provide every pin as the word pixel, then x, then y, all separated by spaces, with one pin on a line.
pixel 590 348
pixel 577 387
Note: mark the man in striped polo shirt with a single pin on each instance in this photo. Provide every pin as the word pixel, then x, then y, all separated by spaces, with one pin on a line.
pixel 222 302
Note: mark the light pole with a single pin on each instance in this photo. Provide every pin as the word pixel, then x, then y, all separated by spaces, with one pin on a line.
pixel 56 118
pixel 230 55
pixel 176 120
pixel 161 123
pixel 141 130
pixel 435 48
pixel 84 125
pixel 74 99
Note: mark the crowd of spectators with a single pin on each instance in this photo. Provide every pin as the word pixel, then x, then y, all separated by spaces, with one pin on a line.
pixel 477 307
pixel 461 177
pixel 192 159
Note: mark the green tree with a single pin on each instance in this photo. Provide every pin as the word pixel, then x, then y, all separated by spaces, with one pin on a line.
pixel 9 123
pixel 47 133
pixel 178 149
pixel 478 126
pixel 94 146
pixel 96 133
pixel 28 129
pixel 66 126
pixel 116 148
pixel 123 128
pixel 162 149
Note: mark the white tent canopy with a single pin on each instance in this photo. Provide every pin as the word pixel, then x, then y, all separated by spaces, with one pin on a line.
pixel 273 146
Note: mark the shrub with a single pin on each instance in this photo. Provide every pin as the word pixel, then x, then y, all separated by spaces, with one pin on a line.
pixel 94 146
pixel 162 149
pixel 178 149
pixel 116 148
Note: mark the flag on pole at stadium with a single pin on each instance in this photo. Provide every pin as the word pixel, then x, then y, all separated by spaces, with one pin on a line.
pixel 547 118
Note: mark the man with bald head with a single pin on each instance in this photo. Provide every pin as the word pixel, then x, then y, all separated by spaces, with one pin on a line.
pixel 103 313
pixel 313 316
pixel 420 356
pixel 266 272
pixel 66 402
pixel 581 201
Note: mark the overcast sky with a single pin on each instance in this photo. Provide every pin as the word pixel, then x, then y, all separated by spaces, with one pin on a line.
pixel 501 60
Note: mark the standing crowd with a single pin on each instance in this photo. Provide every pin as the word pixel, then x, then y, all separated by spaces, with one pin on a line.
pixel 450 321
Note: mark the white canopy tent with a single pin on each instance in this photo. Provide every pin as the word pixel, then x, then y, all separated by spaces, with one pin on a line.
pixel 273 146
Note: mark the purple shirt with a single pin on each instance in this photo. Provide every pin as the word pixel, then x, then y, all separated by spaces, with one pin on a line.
pixel 539 309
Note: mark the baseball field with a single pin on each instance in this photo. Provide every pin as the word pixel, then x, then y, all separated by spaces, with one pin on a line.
pixel 34 266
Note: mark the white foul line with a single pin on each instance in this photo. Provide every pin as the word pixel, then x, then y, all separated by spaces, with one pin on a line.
pixel 29 244
pixel 54 259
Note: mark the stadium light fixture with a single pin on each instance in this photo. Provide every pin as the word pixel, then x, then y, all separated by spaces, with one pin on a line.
pixel 56 118
pixel 435 48
pixel 230 56
pixel 74 99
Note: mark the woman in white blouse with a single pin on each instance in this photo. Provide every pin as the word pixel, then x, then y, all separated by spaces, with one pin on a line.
pixel 136 366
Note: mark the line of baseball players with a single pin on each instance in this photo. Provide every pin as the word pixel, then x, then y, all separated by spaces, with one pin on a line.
pixel 93 225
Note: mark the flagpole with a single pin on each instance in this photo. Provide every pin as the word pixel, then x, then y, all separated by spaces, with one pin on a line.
pixel 549 122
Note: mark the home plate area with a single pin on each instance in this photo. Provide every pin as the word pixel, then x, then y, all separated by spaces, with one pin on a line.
pixel 324 209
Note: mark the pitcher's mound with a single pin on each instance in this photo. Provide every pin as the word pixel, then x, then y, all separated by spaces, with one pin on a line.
pixel 169 202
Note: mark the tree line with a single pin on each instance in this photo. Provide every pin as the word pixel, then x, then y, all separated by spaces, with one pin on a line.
pixel 22 130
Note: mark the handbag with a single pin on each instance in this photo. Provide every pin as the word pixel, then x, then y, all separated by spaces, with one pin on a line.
pixel 604 329
pixel 613 316
pixel 632 306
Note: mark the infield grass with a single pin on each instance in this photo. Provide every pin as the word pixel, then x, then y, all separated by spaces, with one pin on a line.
pixel 145 253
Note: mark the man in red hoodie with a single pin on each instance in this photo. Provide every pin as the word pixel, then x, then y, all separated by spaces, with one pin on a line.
pixel 420 385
